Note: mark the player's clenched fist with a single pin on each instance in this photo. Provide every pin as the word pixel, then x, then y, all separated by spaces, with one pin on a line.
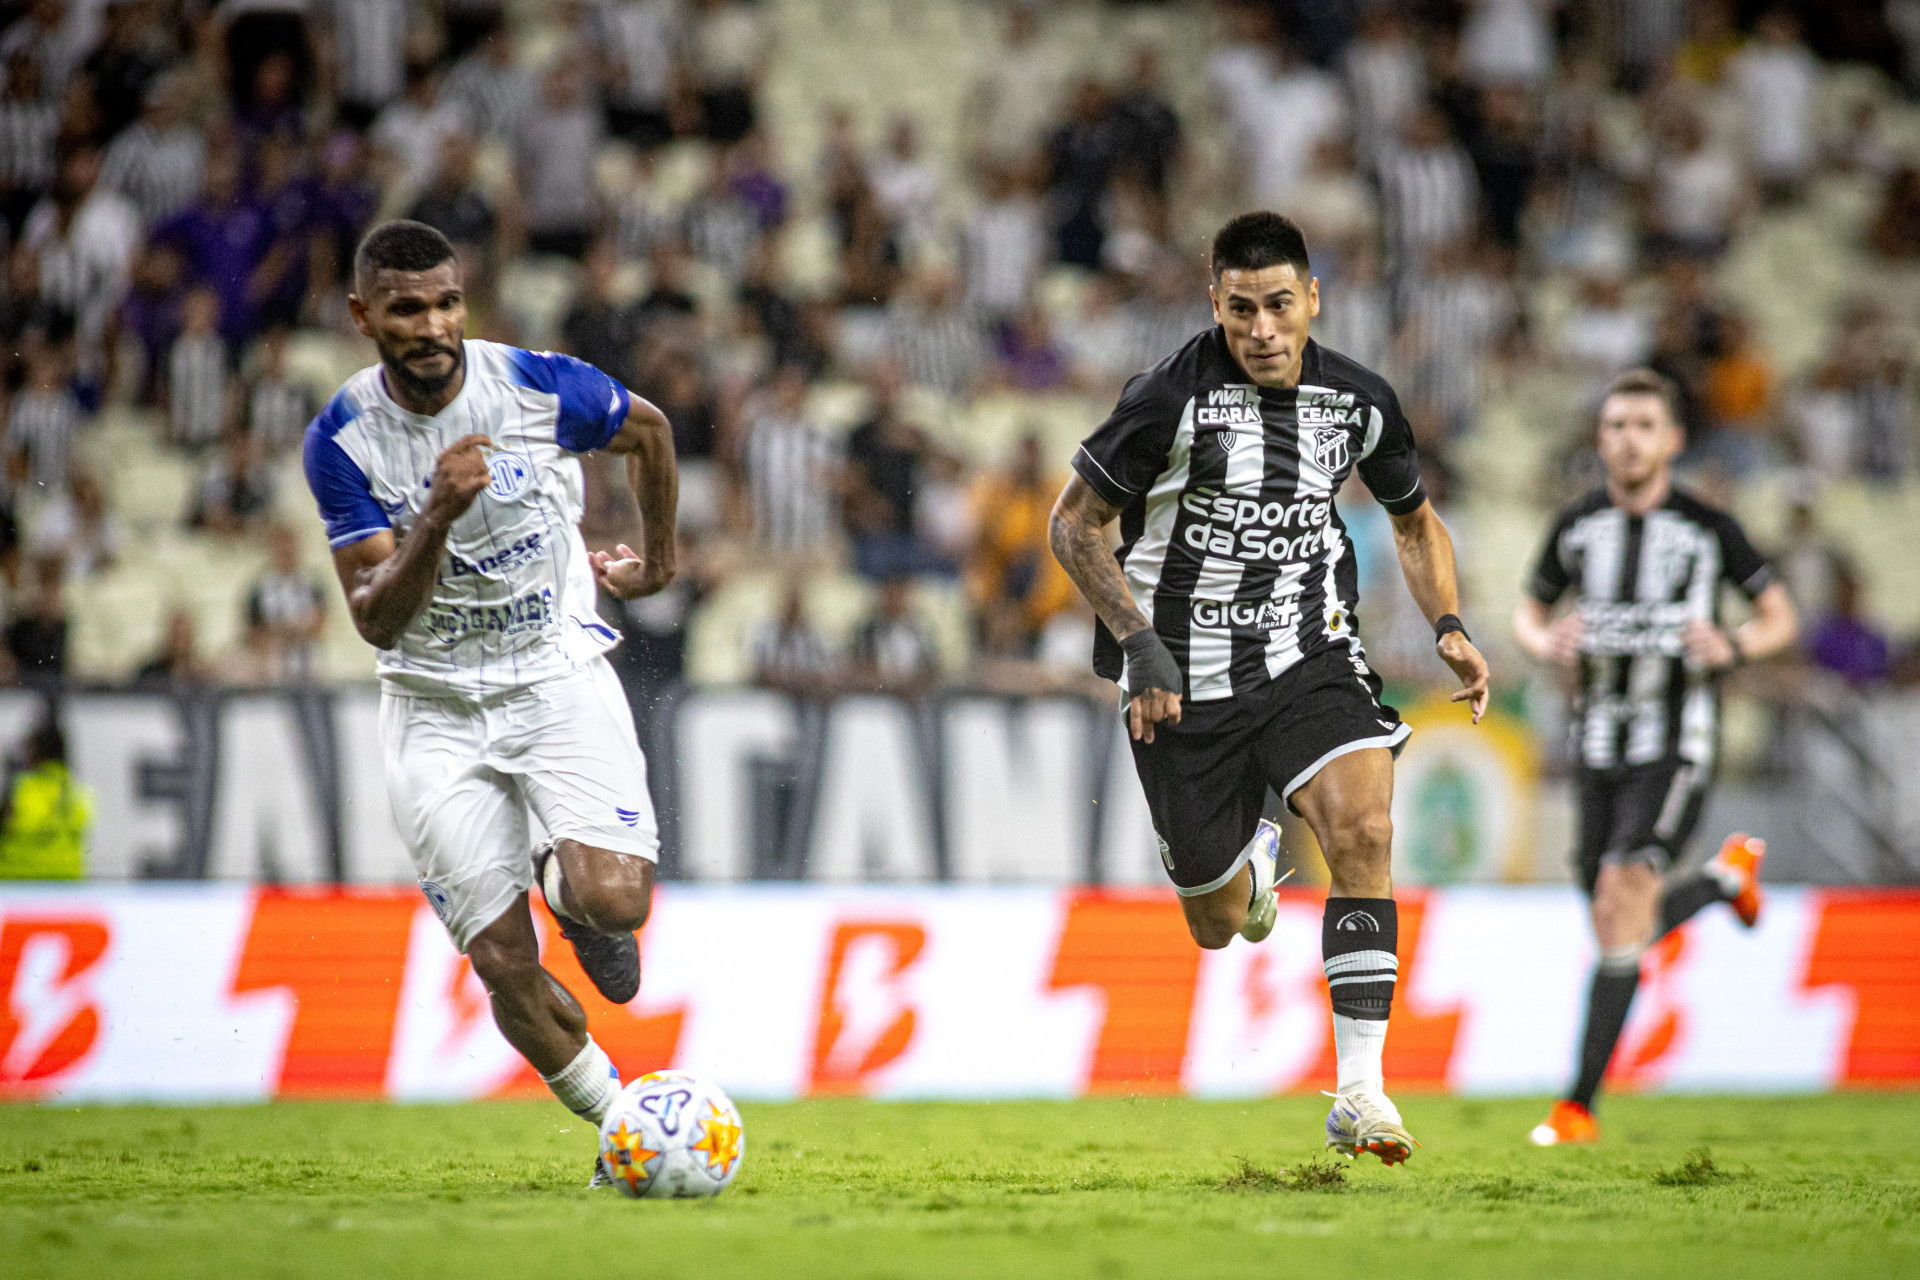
pixel 628 575
pixel 459 474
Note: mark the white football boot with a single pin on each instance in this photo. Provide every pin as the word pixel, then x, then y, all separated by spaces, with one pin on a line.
pixel 1365 1120
pixel 601 1178
pixel 1263 862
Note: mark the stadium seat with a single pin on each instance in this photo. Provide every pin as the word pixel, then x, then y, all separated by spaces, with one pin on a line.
pixel 720 633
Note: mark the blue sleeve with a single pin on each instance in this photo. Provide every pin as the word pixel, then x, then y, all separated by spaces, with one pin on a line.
pixel 592 405
pixel 340 487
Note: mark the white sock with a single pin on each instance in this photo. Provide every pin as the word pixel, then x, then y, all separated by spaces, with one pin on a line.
pixel 588 1085
pixel 550 886
pixel 1357 1043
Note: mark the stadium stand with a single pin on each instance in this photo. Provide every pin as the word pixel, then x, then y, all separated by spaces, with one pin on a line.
pixel 1006 206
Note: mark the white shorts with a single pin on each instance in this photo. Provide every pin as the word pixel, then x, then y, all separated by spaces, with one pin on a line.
pixel 462 778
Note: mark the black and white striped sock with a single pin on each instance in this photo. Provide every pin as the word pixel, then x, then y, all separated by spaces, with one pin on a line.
pixel 1359 939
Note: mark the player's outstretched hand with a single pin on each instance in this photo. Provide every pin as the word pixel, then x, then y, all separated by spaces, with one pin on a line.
pixel 1458 652
pixel 459 474
pixel 624 573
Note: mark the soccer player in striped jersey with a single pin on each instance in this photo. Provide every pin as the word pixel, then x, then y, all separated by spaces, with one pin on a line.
pixel 1227 616
pixel 449 478
pixel 1646 563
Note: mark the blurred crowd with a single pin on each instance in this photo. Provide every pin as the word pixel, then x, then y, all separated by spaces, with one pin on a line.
pixel 1489 188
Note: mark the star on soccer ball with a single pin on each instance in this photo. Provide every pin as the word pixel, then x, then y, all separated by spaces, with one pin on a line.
pixel 719 1139
pixel 628 1154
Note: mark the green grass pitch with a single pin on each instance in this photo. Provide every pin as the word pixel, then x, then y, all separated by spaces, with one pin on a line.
pixel 1124 1187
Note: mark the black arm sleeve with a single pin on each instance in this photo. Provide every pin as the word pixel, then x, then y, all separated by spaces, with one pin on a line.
pixel 1551 576
pixel 1391 467
pixel 1740 563
pixel 1120 460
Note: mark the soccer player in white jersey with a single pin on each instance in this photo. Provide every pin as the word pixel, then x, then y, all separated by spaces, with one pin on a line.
pixel 449 479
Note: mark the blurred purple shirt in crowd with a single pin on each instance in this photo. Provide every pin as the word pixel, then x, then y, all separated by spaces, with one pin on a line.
pixel 1851 649
pixel 222 245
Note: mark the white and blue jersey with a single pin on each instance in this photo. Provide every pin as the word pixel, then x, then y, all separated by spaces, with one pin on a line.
pixel 513 599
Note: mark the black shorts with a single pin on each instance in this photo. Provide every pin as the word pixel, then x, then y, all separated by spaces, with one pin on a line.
pixel 1206 791
pixel 1638 813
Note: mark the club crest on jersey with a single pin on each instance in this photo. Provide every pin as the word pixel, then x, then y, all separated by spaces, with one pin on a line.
pixel 1330 449
pixel 439 900
pixel 506 476
pixel 1227 438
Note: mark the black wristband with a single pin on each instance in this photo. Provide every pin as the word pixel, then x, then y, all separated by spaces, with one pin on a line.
pixel 1449 622
pixel 1150 664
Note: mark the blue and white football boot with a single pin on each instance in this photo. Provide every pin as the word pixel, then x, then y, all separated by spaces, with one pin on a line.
pixel 1263 862
pixel 1364 1121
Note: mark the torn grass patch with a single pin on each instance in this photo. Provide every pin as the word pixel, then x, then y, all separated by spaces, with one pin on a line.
pixel 1319 1173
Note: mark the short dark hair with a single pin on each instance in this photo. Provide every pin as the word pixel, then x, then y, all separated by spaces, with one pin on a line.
pixel 402 245
pixel 1260 239
pixel 1647 382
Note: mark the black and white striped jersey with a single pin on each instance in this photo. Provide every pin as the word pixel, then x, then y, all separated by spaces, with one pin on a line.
pixel 1229 537
pixel 1639 580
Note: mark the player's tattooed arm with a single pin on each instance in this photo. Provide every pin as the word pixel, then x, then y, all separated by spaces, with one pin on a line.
pixel 1426 561
pixel 1077 533
pixel 646 441
pixel 388 584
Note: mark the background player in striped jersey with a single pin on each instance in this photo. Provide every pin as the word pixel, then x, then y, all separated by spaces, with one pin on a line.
pixel 449 479
pixel 1227 615
pixel 1646 562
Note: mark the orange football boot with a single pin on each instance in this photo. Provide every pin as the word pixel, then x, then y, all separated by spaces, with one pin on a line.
pixel 1568 1123
pixel 1740 856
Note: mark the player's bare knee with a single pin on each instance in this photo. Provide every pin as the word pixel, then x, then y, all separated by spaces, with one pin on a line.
pixel 1212 932
pixel 1626 886
pixel 622 909
pixel 1609 908
pixel 1625 899
pixel 1606 923
pixel 614 891
pixel 1213 924
pixel 1364 838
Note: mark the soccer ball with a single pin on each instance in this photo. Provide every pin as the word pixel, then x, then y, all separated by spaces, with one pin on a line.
pixel 672 1135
